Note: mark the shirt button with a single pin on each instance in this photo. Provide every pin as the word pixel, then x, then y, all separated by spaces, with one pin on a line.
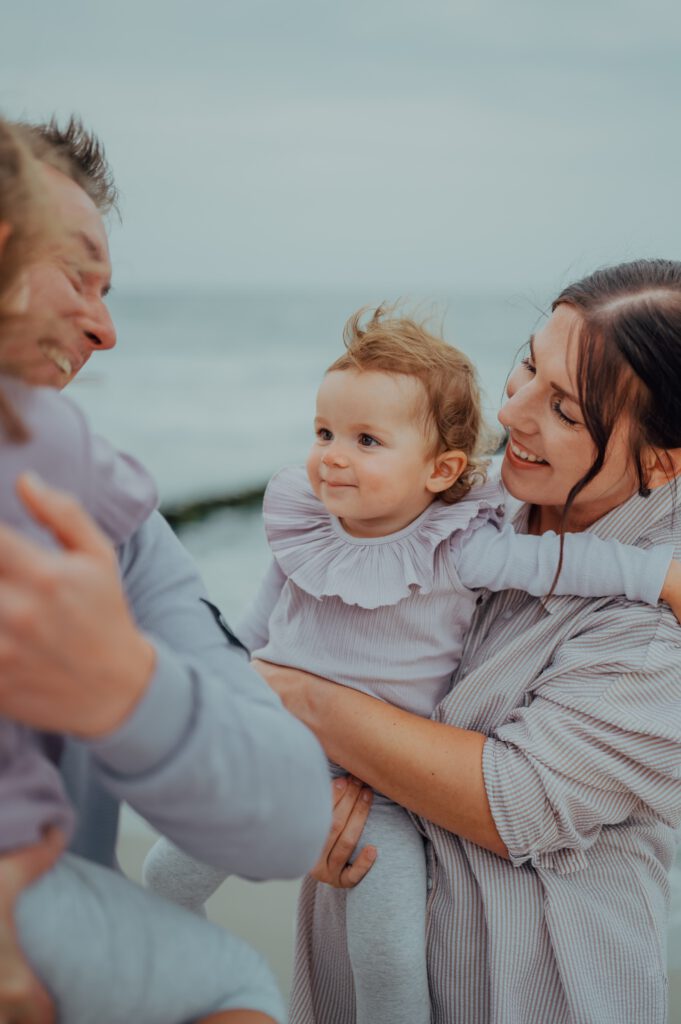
pixel 508 614
pixel 429 883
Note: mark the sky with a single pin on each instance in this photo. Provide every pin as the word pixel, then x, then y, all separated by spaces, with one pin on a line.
pixel 414 146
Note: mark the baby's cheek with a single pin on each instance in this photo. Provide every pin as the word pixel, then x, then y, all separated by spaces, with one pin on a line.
pixel 312 467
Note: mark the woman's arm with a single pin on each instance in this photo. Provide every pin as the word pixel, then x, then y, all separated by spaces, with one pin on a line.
pixel 432 769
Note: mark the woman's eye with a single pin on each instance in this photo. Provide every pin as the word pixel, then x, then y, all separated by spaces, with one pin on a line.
pixel 555 405
pixel 367 441
pixel 528 365
pixel 324 435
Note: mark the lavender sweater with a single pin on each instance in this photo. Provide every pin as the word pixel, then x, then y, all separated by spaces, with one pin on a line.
pixel 120 495
pixel 388 615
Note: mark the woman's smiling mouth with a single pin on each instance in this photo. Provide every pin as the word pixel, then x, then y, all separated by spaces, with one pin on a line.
pixel 524 455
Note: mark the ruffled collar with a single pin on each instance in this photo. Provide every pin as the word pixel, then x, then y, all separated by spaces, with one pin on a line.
pixel 316 553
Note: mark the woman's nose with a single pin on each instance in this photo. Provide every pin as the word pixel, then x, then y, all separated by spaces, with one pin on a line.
pixel 518 409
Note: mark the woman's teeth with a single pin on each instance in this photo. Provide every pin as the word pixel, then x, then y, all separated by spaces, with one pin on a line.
pixel 526 456
pixel 58 358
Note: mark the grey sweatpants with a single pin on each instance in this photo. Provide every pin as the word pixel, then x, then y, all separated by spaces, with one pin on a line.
pixel 385 920
pixel 385 913
pixel 110 951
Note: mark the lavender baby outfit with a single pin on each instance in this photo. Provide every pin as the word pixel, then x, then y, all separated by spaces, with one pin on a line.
pixel 105 948
pixel 388 616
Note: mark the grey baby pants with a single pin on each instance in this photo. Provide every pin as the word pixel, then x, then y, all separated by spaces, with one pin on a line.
pixel 110 951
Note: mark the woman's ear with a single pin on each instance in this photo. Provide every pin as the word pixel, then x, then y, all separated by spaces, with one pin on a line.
pixel 662 466
pixel 447 468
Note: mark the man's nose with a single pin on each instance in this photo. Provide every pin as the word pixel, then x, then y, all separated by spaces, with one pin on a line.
pixel 99 328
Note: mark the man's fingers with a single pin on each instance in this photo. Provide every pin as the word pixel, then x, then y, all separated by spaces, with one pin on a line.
pixel 352 803
pixel 355 872
pixel 349 816
pixel 63 516
pixel 21 558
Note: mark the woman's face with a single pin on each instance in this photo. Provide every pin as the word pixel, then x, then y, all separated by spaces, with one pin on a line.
pixel 550 449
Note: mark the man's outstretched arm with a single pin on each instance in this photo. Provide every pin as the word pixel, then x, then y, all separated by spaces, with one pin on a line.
pixel 178 724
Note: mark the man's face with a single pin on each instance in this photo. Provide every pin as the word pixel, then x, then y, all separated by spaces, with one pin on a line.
pixel 68 287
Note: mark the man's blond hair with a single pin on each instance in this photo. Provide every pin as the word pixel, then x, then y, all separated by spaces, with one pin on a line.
pixel 76 152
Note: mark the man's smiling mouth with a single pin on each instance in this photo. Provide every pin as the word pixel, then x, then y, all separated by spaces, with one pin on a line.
pixel 56 356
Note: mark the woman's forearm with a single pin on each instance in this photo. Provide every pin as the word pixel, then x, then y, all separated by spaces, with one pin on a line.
pixel 432 769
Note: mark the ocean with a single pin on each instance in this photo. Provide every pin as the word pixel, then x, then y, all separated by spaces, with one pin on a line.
pixel 215 391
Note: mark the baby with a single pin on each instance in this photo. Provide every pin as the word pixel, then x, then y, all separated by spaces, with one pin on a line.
pixel 106 949
pixel 380 549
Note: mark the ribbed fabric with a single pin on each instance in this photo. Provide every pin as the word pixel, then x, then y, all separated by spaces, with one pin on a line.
pixel 389 615
pixel 581 700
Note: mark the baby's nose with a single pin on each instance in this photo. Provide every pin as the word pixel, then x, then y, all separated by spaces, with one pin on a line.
pixel 333 456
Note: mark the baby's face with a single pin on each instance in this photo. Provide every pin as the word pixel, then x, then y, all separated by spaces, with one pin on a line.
pixel 370 462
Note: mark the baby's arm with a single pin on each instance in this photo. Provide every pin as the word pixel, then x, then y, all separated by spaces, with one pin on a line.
pixel 501 559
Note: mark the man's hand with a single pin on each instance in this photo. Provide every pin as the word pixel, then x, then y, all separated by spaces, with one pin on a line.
pixel 352 803
pixel 71 657
pixel 295 687
pixel 23 1000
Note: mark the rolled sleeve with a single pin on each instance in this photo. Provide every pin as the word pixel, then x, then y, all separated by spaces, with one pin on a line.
pixel 593 748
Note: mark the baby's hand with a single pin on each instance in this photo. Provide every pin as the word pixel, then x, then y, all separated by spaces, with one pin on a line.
pixel 671 589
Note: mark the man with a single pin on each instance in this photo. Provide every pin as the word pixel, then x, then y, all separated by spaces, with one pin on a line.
pixel 160 708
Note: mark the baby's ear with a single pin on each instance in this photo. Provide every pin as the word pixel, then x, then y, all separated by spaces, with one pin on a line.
pixel 447 468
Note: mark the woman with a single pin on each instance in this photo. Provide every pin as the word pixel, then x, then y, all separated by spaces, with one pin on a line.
pixel 547 786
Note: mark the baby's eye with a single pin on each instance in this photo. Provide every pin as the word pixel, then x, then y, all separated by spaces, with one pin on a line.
pixel 528 365
pixel 324 435
pixel 367 441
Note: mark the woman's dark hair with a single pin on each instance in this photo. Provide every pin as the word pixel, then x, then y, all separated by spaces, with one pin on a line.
pixel 629 358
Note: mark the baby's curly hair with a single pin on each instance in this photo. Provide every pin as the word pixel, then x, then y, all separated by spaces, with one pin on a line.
pixel 382 340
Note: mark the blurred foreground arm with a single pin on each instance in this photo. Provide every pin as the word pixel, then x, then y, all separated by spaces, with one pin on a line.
pixel 23 1000
pixel 175 721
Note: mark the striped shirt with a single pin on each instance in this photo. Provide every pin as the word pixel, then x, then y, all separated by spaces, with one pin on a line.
pixel 581 701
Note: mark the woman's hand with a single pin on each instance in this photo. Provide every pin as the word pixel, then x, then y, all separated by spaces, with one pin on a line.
pixel 352 803
pixel 23 1000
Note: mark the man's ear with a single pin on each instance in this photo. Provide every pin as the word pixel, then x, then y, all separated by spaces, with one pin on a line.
pixel 447 468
